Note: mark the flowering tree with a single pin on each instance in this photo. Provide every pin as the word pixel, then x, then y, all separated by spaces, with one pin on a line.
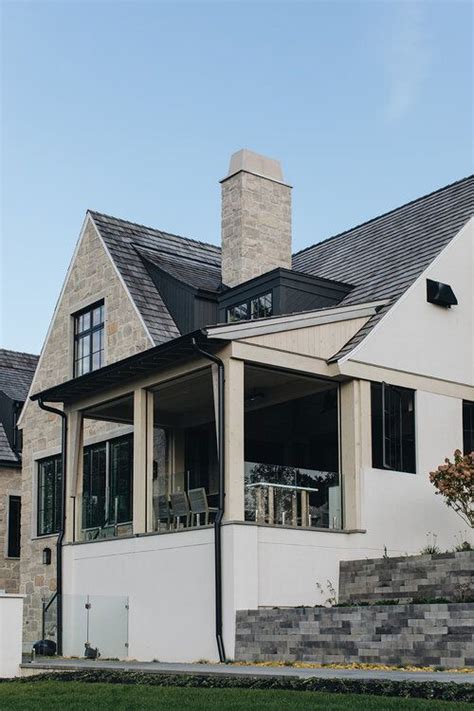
pixel 455 481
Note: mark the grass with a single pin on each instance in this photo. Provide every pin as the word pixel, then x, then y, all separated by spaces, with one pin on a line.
pixel 77 696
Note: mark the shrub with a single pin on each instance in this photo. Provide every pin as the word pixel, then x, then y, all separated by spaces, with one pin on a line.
pixel 455 481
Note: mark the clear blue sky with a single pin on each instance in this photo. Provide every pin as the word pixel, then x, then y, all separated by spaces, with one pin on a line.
pixel 133 108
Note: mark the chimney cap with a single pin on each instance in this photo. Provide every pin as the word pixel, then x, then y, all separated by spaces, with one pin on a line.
pixel 250 162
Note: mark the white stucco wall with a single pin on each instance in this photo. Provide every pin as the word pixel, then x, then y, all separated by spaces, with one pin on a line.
pixel 169 580
pixel 11 624
pixel 422 338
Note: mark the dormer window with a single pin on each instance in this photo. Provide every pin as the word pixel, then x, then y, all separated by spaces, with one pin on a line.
pixel 257 307
pixel 89 339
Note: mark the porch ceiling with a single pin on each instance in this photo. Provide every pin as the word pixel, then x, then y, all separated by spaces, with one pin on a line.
pixel 129 369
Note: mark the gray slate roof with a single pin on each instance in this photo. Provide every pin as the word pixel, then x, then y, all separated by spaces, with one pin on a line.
pixel 16 373
pixel 7 455
pixel 381 257
pixel 122 238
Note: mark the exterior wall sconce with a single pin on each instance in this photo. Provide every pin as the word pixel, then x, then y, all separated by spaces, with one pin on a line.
pixel 440 294
pixel 46 556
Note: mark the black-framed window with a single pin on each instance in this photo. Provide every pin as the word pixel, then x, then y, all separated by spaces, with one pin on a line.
pixel 49 495
pixel 108 483
pixel 468 426
pixel 89 339
pixel 393 428
pixel 14 526
pixel 257 307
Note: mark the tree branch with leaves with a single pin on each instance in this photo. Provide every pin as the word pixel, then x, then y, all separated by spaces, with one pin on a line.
pixel 455 481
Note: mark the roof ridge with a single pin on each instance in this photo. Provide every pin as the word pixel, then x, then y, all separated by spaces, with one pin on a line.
pixel 155 229
pixel 170 255
pixel 385 214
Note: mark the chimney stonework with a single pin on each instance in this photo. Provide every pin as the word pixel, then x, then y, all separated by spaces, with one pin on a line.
pixel 256 218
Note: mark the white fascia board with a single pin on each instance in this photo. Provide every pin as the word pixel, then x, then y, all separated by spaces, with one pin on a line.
pixel 350 356
pixel 276 324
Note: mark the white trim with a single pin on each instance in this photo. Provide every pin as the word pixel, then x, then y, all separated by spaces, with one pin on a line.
pixel 406 294
pixel 294 321
pixel 121 280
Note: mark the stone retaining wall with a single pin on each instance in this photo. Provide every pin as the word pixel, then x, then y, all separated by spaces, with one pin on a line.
pixel 441 634
pixel 448 575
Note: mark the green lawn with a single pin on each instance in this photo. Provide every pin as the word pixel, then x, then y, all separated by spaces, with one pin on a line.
pixel 77 696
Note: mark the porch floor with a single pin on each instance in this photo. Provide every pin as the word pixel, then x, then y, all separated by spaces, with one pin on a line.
pixel 38 667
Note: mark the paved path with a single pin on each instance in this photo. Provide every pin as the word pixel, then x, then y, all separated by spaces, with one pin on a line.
pixel 247 670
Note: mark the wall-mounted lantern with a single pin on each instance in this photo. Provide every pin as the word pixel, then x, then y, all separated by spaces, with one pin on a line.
pixel 46 556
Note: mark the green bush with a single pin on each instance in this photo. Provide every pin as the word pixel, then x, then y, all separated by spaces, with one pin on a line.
pixel 447 691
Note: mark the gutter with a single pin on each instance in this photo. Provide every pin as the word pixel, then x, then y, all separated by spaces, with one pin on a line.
pixel 59 541
pixel 221 505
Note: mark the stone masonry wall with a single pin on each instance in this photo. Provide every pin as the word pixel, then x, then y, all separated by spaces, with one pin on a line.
pixel 448 575
pixel 385 634
pixel 10 483
pixel 256 227
pixel 92 277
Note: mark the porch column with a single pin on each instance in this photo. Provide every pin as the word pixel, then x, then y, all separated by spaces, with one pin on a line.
pixel 234 439
pixel 355 446
pixel 141 457
pixel 73 475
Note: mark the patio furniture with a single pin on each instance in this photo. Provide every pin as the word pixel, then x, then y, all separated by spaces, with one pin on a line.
pixel 199 505
pixel 180 508
pixel 162 511
pixel 265 509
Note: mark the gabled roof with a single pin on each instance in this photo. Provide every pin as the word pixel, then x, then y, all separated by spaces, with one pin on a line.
pixel 122 238
pixel 381 257
pixel 384 256
pixel 16 373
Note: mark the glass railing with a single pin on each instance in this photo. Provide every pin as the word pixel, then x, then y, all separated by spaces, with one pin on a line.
pixel 292 496
pixel 95 625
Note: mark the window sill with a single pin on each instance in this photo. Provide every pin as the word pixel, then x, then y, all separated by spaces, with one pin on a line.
pixel 45 536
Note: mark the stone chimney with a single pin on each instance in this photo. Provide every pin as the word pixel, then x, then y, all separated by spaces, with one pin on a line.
pixel 256 218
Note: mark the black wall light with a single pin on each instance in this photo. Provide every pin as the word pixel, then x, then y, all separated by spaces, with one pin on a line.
pixel 440 294
pixel 46 556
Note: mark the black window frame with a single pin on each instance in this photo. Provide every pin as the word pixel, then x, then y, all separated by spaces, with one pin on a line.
pixel 56 497
pixel 105 450
pixel 14 526
pixel 393 424
pixel 467 426
pixel 87 335
pixel 247 305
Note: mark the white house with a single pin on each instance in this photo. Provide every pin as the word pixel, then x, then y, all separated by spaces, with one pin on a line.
pixel 236 421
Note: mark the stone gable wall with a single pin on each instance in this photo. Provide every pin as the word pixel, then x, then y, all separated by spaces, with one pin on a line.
pixel 380 634
pixel 92 277
pixel 10 483
pixel 448 575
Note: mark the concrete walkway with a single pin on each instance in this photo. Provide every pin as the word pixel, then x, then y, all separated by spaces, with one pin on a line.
pixel 43 665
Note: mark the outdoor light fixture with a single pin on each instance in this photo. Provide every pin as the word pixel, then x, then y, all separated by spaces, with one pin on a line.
pixel 46 556
pixel 440 294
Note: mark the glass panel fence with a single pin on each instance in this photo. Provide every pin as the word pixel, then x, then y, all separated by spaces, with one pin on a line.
pixel 95 622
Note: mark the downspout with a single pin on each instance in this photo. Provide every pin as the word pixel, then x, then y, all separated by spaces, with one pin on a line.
pixel 221 503
pixel 59 542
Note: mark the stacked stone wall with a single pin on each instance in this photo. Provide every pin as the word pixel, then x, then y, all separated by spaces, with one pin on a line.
pixel 448 575
pixel 440 634
pixel 92 277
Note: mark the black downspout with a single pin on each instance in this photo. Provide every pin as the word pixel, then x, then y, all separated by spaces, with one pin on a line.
pixel 59 542
pixel 220 508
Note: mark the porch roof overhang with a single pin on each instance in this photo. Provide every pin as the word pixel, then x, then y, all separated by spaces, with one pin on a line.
pixel 129 369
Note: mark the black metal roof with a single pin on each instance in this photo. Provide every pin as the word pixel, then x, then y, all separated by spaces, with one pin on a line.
pixel 16 373
pixel 8 458
pixel 128 370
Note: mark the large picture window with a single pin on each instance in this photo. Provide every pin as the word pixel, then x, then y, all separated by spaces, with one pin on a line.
pixel 49 495
pixel 108 483
pixel 468 426
pixel 89 339
pixel 393 428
